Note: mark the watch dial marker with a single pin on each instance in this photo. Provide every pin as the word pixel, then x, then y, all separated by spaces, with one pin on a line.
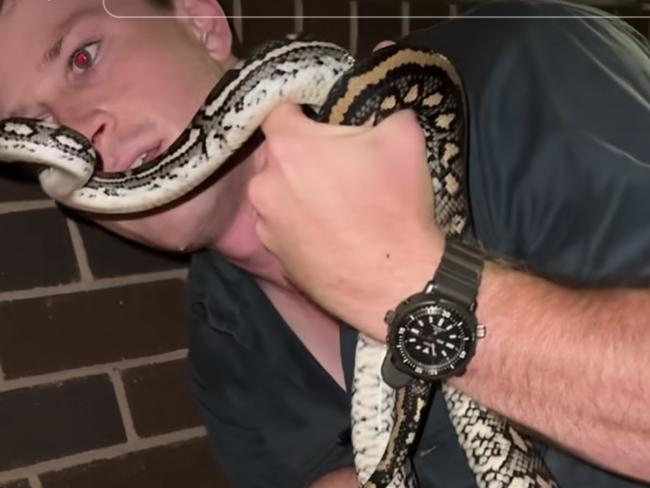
pixel 434 339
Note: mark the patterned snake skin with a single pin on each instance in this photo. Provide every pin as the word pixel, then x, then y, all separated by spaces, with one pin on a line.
pixel 325 77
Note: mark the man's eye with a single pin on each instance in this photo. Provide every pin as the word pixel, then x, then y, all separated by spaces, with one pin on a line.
pixel 84 58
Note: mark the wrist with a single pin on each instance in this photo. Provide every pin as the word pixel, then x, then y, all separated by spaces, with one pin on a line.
pixel 402 272
pixel 433 334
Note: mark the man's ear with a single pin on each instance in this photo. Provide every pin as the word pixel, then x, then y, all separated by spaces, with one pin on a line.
pixel 207 21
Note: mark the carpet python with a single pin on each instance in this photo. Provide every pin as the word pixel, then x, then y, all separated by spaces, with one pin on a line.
pixel 325 77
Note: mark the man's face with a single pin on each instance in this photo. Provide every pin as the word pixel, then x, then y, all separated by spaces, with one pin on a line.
pixel 129 85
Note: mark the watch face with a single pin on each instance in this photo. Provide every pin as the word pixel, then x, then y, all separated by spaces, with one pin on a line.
pixel 433 340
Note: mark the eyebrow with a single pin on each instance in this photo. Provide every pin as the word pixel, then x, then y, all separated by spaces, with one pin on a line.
pixel 53 53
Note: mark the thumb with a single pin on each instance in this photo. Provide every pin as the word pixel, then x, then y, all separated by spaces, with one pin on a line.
pixel 282 117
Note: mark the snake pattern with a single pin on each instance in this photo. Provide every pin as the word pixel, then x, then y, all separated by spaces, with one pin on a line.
pixel 385 422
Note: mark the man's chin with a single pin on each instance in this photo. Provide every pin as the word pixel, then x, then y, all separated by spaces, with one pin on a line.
pixel 158 237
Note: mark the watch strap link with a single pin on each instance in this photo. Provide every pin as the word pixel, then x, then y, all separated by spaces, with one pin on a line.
pixel 459 273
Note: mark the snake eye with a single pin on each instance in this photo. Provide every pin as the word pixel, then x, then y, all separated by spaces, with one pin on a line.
pixel 84 58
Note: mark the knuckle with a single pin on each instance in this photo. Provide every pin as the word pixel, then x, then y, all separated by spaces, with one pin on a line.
pixel 262 233
pixel 278 149
pixel 257 193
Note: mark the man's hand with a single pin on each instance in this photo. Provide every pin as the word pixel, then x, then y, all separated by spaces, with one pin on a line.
pixel 348 211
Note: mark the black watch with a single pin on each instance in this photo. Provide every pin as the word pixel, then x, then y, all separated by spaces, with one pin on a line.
pixel 432 335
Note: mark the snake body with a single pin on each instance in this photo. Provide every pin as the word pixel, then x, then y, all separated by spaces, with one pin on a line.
pixel 322 75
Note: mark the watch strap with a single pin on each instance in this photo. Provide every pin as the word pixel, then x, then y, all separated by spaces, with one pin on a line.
pixel 459 273
pixel 392 376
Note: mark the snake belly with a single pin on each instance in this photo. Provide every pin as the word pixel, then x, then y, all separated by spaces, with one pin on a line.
pixel 385 423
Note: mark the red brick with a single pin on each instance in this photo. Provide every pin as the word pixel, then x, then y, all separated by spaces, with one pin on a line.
pixel 16 484
pixel 35 250
pixel 374 30
pixel 183 465
pixel 420 9
pixel 258 30
pixel 159 398
pixel 18 183
pixel 55 420
pixel 336 30
pixel 110 255
pixel 69 331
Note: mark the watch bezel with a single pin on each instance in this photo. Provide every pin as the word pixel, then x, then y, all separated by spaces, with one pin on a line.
pixel 418 369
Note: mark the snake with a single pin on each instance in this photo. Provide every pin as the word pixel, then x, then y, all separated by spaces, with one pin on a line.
pixel 338 89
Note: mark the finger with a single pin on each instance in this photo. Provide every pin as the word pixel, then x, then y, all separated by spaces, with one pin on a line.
pixel 284 116
pixel 265 191
pixel 382 45
pixel 263 234
pixel 401 127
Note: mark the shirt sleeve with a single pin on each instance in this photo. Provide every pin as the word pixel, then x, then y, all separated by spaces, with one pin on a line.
pixel 559 157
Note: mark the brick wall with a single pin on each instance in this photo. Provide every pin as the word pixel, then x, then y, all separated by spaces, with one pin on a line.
pixel 92 328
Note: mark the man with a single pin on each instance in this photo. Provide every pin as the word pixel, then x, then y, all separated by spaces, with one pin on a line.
pixel 271 369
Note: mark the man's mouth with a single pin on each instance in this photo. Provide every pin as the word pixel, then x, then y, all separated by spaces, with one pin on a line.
pixel 145 157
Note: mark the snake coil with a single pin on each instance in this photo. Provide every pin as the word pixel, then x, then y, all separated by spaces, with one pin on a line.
pixel 325 77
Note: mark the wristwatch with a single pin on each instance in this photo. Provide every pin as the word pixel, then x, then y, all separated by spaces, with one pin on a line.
pixel 432 335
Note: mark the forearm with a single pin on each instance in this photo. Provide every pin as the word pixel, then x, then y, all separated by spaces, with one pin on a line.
pixel 341 478
pixel 572 365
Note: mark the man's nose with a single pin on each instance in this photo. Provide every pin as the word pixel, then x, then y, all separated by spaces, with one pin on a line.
pixel 96 125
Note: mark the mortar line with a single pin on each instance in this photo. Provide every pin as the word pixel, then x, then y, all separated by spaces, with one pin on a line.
pixel 238 20
pixel 123 404
pixel 105 453
pixel 13 207
pixel 298 12
pixel 85 273
pixel 34 481
pixel 406 19
pixel 98 284
pixel 84 371
pixel 354 27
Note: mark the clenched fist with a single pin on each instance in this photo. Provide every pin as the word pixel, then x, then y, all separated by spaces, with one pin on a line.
pixel 348 212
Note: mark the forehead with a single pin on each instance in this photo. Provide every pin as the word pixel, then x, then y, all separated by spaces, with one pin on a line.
pixel 32 23
pixel 29 23
pixel 28 29
pixel 43 13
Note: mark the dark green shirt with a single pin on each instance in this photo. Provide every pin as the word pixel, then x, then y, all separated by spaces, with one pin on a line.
pixel 559 166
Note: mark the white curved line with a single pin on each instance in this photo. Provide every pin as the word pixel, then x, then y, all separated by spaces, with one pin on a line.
pixel 154 17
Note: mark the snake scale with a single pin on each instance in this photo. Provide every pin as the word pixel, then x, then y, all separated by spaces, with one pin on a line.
pixel 340 90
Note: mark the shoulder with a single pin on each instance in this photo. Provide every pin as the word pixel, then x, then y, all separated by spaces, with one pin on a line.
pixel 503 28
pixel 555 109
pixel 532 8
